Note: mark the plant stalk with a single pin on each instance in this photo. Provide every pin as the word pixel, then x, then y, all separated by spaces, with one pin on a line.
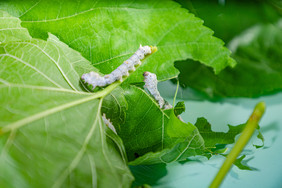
pixel 247 133
pixel 175 95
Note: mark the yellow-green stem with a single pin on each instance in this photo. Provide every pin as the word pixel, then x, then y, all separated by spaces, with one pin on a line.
pixel 175 95
pixel 247 133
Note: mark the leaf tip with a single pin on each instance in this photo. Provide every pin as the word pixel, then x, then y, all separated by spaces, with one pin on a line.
pixel 232 63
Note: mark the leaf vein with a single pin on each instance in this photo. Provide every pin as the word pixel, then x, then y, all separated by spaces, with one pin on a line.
pixel 79 155
pixel 32 67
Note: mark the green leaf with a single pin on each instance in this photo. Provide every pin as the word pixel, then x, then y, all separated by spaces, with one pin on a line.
pixel 213 138
pixel 115 107
pixel 258 72
pixel 144 186
pixel 151 135
pixel 179 108
pixel 11 30
pixel 107 32
pixel 51 131
pixel 242 164
pixel 160 137
pixel 143 174
pixel 215 142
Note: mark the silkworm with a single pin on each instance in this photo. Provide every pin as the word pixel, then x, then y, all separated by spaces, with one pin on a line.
pixel 109 123
pixel 123 70
pixel 151 84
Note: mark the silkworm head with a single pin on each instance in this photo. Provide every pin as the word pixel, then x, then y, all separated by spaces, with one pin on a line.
pixel 146 73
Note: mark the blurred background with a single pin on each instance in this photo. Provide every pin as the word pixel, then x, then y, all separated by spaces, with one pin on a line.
pixel 228 18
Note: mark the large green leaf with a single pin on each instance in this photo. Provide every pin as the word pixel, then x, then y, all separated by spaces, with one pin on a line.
pixel 259 68
pixel 51 132
pixel 151 135
pixel 108 32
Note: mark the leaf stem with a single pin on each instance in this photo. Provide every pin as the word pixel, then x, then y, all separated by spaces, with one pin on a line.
pixel 247 133
pixel 175 95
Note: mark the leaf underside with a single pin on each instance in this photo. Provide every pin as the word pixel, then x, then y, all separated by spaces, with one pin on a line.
pixel 50 130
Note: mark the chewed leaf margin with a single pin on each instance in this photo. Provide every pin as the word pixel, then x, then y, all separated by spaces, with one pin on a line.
pixel 181 35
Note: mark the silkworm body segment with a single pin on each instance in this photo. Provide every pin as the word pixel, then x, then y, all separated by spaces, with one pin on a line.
pixel 95 79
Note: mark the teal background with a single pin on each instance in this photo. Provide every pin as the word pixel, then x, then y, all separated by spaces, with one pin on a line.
pixel 267 160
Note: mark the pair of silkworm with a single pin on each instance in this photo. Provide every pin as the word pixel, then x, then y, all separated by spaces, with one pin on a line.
pixel 151 84
pixel 123 70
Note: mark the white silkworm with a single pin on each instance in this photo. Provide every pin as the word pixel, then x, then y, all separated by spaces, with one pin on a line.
pixel 95 79
pixel 151 84
pixel 130 65
pixel 109 123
